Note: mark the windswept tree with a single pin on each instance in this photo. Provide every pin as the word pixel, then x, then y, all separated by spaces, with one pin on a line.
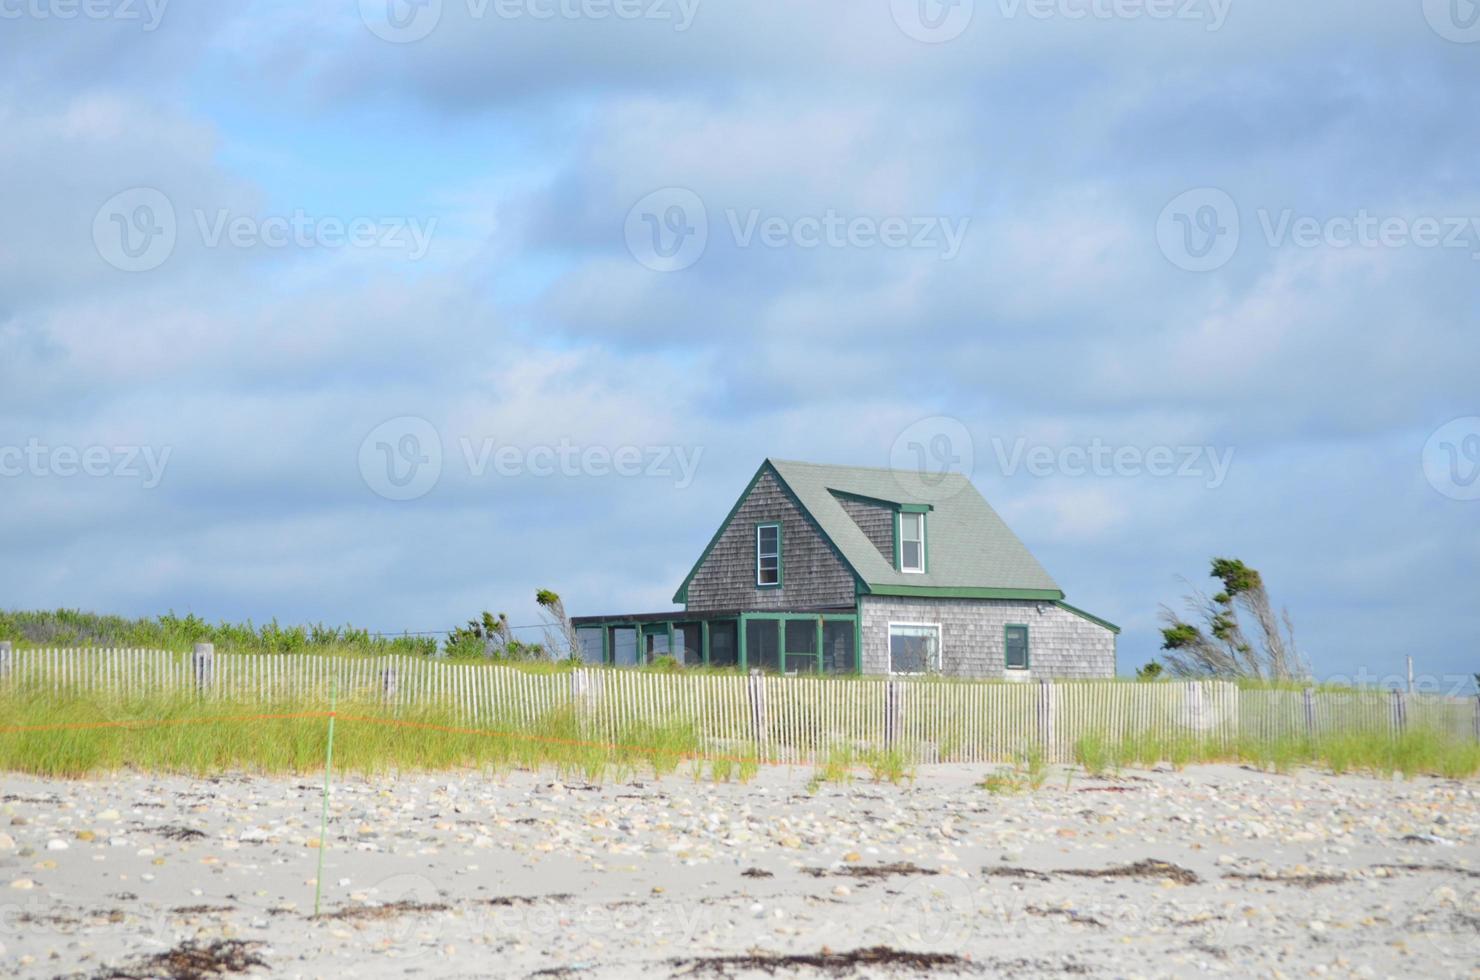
pixel 560 636
pixel 490 636
pixel 1220 644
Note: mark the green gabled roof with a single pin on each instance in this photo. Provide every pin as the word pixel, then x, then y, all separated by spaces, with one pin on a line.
pixel 970 552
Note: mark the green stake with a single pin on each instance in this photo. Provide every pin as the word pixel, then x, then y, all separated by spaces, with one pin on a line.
pixel 318 884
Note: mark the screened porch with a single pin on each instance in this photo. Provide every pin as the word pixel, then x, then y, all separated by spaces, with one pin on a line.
pixel 815 642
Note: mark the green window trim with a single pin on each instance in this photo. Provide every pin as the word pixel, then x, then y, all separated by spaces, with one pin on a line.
pixel 952 592
pixel 1007 647
pixel 759 554
pixel 924 568
pixel 781 619
pixel 1075 610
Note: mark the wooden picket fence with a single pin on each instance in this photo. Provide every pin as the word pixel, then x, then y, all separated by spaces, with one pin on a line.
pixel 783 718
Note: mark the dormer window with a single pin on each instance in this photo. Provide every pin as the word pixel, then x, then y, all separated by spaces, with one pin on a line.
pixel 912 542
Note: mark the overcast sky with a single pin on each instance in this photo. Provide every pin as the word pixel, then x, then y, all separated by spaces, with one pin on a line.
pixel 392 313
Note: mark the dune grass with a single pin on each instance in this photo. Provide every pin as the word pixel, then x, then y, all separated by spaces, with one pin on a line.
pixel 76 628
pixel 76 735
pixel 1417 752
pixel 79 734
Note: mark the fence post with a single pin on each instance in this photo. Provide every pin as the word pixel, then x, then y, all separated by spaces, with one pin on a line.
pixel 1400 712
pixel 1196 710
pixel 1047 703
pixel 580 694
pixel 1477 717
pixel 388 684
pixel 1310 713
pixel 5 660
pixel 203 665
pixel 757 687
pixel 893 712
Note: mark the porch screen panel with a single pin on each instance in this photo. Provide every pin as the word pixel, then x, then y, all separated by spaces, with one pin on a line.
pixel 724 644
pixel 590 639
pixel 655 642
pixel 762 645
pixel 624 646
pixel 690 651
pixel 801 646
pixel 838 649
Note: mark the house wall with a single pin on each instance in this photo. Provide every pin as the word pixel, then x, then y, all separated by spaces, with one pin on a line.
pixel 876 521
pixel 811 572
pixel 973 644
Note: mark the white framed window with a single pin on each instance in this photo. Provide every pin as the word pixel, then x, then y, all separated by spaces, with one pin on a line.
pixel 768 555
pixel 912 542
pixel 914 648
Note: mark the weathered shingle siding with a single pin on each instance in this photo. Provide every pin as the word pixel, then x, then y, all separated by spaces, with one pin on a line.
pixel 973 644
pixel 875 521
pixel 811 573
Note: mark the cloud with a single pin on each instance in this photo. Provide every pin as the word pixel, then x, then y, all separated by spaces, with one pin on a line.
pixel 1054 144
